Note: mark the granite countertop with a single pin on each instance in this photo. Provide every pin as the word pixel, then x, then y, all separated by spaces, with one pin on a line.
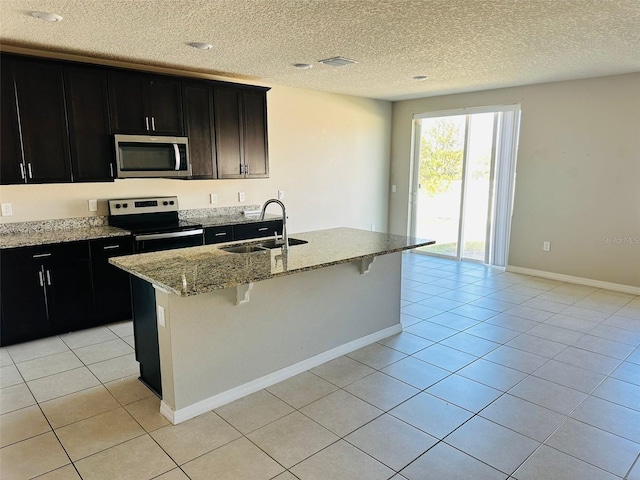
pixel 198 270
pixel 43 237
pixel 35 233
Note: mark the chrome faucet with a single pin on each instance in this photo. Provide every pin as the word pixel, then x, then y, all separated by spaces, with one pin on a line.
pixel 285 238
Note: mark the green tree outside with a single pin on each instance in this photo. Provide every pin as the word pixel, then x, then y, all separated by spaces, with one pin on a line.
pixel 441 152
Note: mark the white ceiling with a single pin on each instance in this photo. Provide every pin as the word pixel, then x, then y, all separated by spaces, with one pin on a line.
pixel 462 45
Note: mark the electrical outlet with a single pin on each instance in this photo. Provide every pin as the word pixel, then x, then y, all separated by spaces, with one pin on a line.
pixel 241 196
pixel 213 198
pixel 546 246
pixel 393 188
pixel 7 210
pixel 373 227
pixel 93 205
pixel 280 194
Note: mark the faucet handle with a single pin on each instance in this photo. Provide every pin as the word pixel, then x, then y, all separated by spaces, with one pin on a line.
pixel 277 238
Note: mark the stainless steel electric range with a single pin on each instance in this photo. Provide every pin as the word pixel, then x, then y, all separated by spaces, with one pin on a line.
pixel 154 223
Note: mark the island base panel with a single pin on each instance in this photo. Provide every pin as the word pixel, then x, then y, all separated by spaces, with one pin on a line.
pixel 212 350
pixel 145 331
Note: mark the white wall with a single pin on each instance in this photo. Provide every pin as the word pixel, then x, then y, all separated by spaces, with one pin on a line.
pixel 328 152
pixel 578 174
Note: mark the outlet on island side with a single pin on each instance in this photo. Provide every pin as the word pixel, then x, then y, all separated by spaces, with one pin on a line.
pixel 546 246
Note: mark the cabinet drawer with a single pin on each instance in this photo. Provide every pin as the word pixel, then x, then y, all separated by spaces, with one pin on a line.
pixel 257 230
pixel 218 234
pixel 111 247
pixel 55 252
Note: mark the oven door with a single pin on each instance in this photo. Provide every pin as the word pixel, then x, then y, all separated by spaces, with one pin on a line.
pixel 154 242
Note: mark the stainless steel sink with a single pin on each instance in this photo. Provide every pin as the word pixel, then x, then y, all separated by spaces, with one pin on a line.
pixel 272 243
pixel 245 249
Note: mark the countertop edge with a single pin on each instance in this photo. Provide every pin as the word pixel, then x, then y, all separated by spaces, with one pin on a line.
pixel 261 277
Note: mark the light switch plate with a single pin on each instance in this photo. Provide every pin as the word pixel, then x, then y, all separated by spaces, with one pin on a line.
pixel 241 196
pixel 160 312
pixel 7 210
pixel 280 194
pixel 213 198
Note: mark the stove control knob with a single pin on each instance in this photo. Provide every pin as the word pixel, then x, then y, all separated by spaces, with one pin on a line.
pixel 165 203
pixel 171 202
pixel 117 205
pixel 125 205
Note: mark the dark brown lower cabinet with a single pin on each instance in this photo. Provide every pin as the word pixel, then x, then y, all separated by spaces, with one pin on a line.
pixel 111 291
pixel 45 290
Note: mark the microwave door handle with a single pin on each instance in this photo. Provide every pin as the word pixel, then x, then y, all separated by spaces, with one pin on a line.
pixel 177 154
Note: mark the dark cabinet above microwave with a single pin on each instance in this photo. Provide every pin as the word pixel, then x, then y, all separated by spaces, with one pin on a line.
pixel 59 119
pixel 145 104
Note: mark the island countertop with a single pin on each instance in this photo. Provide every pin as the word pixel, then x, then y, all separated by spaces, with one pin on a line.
pixel 197 270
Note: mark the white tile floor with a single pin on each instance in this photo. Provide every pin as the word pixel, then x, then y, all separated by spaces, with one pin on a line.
pixel 496 376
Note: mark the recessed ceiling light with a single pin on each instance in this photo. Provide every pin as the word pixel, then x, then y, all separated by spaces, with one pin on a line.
pixel 420 78
pixel 337 61
pixel 302 66
pixel 200 45
pixel 49 17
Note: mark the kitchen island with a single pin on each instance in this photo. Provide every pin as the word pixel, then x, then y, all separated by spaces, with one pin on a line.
pixel 227 324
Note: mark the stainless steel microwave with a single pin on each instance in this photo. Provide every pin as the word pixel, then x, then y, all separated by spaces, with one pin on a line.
pixel 143 156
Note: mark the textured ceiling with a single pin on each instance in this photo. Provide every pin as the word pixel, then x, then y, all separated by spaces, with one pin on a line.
pixel 462 45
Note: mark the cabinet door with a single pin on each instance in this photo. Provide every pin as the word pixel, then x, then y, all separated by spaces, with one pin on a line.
pixel 40 97
pixel 10 155
pixel 111 290
pixel 255 133
pixel 24 310
pixel 164 106
pixel 198 108
pixel 226 104
pixel 127 104
pixel 70 295
pixel 88 112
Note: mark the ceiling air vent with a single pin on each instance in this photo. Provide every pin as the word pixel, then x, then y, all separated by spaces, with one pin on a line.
pixel 337 61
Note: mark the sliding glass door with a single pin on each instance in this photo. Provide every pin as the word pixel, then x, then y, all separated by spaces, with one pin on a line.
pixel 458 158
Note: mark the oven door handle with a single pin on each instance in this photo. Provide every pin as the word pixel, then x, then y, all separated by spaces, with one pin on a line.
pixel 161 236
pixel 176 151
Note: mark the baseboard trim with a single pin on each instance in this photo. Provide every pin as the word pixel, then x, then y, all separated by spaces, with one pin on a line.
pixel 182 414
pixel 618 287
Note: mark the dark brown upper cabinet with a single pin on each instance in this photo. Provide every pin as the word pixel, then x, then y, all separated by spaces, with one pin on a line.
pixel 42 121
pixel 197 105
pixel 254 119
pixel 145 104
pixel 92 154
pixel 241 132
pixel 12 168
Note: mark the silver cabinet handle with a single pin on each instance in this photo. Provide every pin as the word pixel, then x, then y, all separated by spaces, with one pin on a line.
pixel 110 247
pixel 40 274
pixel 22 174
pixel 146 122
pixel 48 278
pixel 111 169
pixel 263 229
pixel 176 152
pixel 153 123
pixel 30 171
pixel 41 255
pixel 221 234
